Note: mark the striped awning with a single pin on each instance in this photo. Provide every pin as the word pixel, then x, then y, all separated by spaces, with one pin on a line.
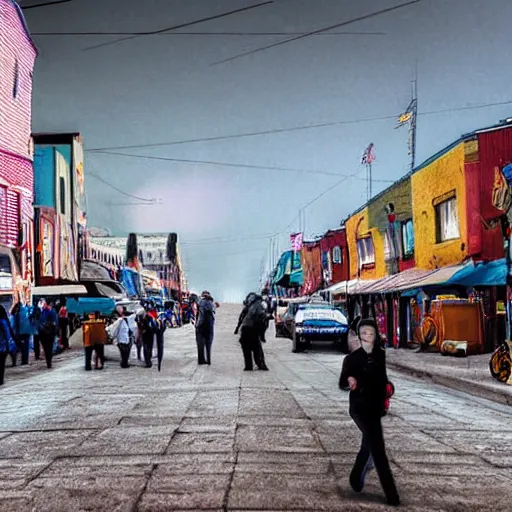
pixel 402 280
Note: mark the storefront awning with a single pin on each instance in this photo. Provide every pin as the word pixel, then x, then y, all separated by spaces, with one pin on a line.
pixel 54 291
pixel 351 287
pixel 493 273
pixel 437 277
pixel 407 278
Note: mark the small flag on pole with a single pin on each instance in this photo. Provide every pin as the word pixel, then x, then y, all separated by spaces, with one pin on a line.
pixel 407 116
pixel 297 241
pixel 368 155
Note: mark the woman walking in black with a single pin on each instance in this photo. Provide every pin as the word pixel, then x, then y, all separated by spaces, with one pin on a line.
pixel 364 372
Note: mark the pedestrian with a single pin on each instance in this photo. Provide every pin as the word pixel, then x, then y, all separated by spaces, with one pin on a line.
pixel 205 327
pixel 47 330
pixel 253 323
pixel 364 372
pixel 6 340
pixel 63 325
pixel 94 336
pixel 35 319
pixel 148 331
pixel 22 327
pixel 124 331
pixel 159 333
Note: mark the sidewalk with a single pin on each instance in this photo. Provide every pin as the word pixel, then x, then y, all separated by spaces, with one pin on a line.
pixel 18 372
pixel 468 374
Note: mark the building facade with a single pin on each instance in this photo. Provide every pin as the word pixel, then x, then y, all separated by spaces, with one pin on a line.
pixel 17 58
pixel 59 207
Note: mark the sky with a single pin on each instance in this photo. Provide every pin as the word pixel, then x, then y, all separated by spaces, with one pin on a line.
pixel 164 88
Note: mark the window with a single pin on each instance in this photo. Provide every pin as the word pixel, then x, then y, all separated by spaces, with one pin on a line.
pixel 447 221
pixel 62 192
pixel 16 85
pixel 365 252
pixel 407 239
pixel 336 255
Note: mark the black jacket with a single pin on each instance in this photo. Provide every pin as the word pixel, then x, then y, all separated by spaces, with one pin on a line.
pixel 369 370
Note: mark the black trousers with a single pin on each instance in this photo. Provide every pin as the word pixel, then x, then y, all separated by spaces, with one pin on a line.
pixel 148 342
pixel 47 343
pixel 204 340
pixel 372 447
pixel 63 328
pixel 3 356
pixel 37 346
pixel 160 349
pixel 24 347
pixel 124 350
pixel 251 348
pixel 100 354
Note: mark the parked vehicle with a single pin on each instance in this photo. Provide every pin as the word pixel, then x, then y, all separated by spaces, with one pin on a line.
pixel 281 309
pixel 319 322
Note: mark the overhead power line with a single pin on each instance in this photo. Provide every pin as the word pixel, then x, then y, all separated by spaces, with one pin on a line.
pixel 319 31
pixel 296 128
pixel 183 25
pixel 227 164
pixel 46 4
pixel 218 164
pixel 127 194
pixel 205 34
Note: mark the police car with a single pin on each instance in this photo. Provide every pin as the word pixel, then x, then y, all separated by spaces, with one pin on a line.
pixel 319 322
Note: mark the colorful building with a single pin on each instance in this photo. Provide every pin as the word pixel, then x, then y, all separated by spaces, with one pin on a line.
pixel 17 58
pixel 334 253
pixel 60 227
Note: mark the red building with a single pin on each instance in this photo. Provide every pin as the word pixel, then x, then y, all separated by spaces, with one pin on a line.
pixel 335 264
pixel 488 190
pixel 17 58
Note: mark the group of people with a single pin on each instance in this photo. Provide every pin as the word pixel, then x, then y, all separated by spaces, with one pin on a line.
pixel 141 331
pixel 41 323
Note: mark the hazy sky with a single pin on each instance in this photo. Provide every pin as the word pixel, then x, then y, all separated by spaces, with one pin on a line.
pixel 158 89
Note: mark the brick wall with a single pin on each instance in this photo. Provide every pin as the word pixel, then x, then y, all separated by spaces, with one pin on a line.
pixel 17 57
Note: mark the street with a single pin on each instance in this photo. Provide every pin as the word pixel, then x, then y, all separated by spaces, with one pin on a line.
pixel 217 438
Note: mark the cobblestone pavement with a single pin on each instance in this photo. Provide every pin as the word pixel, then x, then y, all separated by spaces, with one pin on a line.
pixel 217 438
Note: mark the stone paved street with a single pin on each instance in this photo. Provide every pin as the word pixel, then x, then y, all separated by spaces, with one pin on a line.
pixel 218 438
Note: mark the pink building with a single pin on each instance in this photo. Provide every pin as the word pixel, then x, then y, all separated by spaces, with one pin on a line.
pixel 17 58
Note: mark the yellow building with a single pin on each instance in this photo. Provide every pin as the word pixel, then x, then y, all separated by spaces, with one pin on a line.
pixel 439 209
pixel 365 246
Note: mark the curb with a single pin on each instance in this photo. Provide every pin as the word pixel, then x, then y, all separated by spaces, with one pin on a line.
pixel 466 386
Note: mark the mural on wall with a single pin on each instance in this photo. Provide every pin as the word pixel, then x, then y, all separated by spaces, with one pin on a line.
pixel 47 229
pixel 68 269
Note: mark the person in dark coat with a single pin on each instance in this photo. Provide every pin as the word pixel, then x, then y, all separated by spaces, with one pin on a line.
pixel 6 339
pixel 253 326
pixel 205 326
pixel 47 330
pixel 364 372
pixel 148 331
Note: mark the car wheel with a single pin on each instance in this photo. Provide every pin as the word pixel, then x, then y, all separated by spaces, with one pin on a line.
pixel 341 343
pixel 297 345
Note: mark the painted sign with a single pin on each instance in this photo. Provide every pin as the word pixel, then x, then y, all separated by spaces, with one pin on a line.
pixel 47 260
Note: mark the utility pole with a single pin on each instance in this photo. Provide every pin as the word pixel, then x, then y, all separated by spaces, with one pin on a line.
pixel 366 160
pixel 412 122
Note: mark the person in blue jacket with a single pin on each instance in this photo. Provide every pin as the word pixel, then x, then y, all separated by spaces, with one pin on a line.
pixel 6 340
pixel 22 327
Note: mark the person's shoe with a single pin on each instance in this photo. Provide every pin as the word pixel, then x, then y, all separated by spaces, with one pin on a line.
pixel 357 484
pixel 247 369
pixel 263 368
pixel 394 501
pixel 88 369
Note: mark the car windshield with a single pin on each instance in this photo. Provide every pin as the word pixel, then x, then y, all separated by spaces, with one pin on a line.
pixel 316 306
